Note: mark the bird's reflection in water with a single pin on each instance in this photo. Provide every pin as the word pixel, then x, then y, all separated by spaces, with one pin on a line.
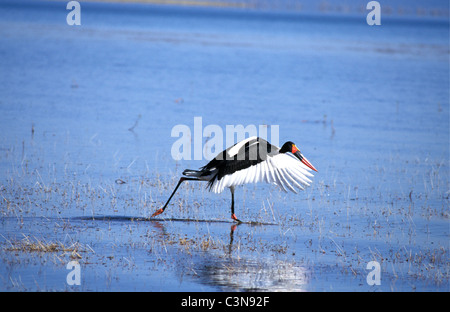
pixel 229 270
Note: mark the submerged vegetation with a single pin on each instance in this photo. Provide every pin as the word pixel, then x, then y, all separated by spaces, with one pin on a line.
pixel 397 214
pixel 333 229
pixel 33 244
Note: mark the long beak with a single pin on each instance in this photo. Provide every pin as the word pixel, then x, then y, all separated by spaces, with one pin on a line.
pixel 304 160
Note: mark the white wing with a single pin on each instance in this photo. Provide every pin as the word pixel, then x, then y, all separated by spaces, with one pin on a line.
pixel 232 151
pixel 283 170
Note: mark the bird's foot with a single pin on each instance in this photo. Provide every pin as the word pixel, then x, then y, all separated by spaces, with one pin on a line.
pixel 233 216
pixel 157 212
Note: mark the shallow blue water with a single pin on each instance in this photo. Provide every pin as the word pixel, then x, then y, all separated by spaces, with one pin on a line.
pixel 368 106
pixel 387 86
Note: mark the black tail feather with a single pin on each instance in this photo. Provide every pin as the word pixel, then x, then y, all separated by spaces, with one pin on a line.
pixel 192 173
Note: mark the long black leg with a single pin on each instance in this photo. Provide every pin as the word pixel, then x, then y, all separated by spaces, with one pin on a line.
pixel 161 210
pixel 232 201
pixel 233 216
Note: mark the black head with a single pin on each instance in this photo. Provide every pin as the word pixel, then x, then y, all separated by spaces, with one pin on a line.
pixel 289 147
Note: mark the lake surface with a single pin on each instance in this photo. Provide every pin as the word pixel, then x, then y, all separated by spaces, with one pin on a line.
pixel 85 108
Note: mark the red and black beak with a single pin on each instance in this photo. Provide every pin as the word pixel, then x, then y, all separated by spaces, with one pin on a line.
pixel 302 158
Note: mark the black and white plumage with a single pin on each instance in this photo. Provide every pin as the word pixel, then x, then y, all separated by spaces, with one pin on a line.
pixel 252 160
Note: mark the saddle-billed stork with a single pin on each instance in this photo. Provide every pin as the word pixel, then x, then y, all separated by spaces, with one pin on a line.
pixel 250 161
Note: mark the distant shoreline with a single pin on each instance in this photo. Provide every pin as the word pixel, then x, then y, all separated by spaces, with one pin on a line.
pixel 205 3
pixel 295 6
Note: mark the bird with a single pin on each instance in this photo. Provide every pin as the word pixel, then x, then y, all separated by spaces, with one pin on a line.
pixel 252 160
